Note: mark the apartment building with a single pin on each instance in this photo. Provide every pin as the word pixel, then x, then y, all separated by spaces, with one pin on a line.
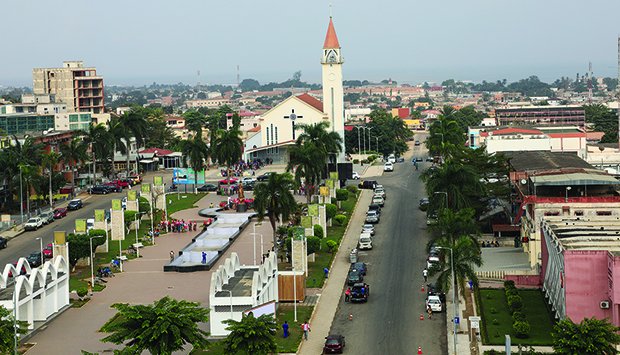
pixel 79 87
pixel 542 115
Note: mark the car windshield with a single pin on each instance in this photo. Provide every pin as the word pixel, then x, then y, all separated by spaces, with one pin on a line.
pixel 332 341
pixel 32 220
pixel 365 240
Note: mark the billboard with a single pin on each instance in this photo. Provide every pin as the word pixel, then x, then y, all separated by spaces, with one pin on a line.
pixel 117 205
pixel 298 233
pixel 306 221
pixel 185 176
pixel 80 226
pixel 99 215
pixel 145 189
pixel 158 180
pixel 132 195
pixel 60 237
pixel 313 210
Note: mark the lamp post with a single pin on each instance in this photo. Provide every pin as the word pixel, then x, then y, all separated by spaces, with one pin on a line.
pixel 135 226
pixel 92 261
pixel 454 300
pixel 151 205
pixel 294 294
pixel 40 239
pixel 231 302
pixel 369 129
pixel 445 194
pixel 21 194
pixel 377 139
pixel 359 148
pixel 568 188
pixel 14 319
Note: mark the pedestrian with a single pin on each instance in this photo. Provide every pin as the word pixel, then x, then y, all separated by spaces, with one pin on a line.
pixel 326 272
pixel 425 274
pixel 204 257
pixel 347 294
pixel 430 311
pixel 306 328
pixel 171 255
pixel 471 285
pixel 285 328
pixel 211 205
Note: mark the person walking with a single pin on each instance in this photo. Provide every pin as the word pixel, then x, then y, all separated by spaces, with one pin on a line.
pixel 347 294
pixel 285 328
pixel 326 272
pixel 306 328
pixel 171 255
pixel 430 311
pixel 425 274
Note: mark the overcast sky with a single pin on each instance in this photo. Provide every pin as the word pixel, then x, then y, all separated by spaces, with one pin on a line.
pixel 145 41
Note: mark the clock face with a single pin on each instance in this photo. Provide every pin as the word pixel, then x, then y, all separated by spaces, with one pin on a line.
pixel 332 58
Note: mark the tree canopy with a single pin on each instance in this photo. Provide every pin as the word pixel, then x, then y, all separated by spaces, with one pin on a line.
pixel 251 335
pixel 590 336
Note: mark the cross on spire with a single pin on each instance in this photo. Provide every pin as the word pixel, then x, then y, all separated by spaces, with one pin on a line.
pixel 293 117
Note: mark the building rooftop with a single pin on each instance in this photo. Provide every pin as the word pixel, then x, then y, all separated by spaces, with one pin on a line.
pixel 582 178
pixel 594 233
pixel 240 285
pixel 544 160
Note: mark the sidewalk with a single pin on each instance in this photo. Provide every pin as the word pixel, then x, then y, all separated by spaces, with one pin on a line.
pixel 329 299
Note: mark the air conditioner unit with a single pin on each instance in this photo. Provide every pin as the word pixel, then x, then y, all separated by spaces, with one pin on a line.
pixel 604 304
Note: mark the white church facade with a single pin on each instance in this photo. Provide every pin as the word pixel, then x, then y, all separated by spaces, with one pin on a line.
pixel 279 126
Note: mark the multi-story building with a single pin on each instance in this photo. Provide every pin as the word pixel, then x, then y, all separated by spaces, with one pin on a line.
pixel 541 115
pixel 75 85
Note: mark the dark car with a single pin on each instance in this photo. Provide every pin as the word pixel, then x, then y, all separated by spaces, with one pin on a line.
pixel 359 266
pixel 207 188
pixel 60 212
pixel 265 176
pixel 354 276
pixel 400 160
pixel 3 242
pixel 334 344
pixel 417 143
pixel 375 207
pixel 34 259
pixel 424 203
pixel 75 204
pixel 98 190
pixel 360 292
pixel 248 186
pixel 112 187
pixel 368 184
pixel 430 159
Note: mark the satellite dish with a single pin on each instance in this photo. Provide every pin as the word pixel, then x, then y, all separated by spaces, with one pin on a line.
pixel 523 181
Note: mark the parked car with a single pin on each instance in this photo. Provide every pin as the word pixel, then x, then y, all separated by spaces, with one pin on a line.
pixel 391 158
pixel 75 204
pixel 60 212
pixel 207 187
pixel 98 190
pixel 248 179
pixel 368 228
pixel 367 184
pixel 229 181
pixel 375 207
pixel 378 200
pixel 400 160
pixel 112 187
pixel 137 179
pixel 359 266
pixel 417 142
pixel 355 176
pixel 33 223
pixel 48 252
pixel 3 242
pixel 354 277
pixel 249 186
pixel 389 166
pixel 430 159
pixel 334 344
pixel 431 218
pixel 364 242
pixel 424 202
pixel 265 176
pixel 34 259
pixel 435 303
pixel 122 183
pixel 432 289
pixel 360 292
pixel 372 217
pixel 381 191
pixel 47 217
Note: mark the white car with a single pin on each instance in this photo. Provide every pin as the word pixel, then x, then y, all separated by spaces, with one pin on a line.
pixel 365 242
pixel 356 175
pixel 377 199
pixel 368 228
pixel 372 217
pixel 248 180
pixel 391 159
pixel 435 303
pixel 388 166
pixel 33 223
pixel 380 192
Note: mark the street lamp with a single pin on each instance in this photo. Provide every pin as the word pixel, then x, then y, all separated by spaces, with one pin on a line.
pixel 135 226
pixel 14 318
pixel 40 239
pixel 445 194
pixel 92 261
pixel 21 194
pixel 359 148
pixel 369 129
pixel 294 294
pixel 568 188
pixel 377 138
pixel 231 302
pixel 454 300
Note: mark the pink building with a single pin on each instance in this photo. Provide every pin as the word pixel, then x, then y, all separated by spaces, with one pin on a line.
pixel 581 266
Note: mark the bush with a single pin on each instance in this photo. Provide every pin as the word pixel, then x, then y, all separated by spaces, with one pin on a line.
pixel 509 284
pixel 495 321
pixel 521 329
pixel 288 243
pixel 143 205
pixel 81 292
pixel 515 303
pixel 342 194
pixel 281 231
pixel 331 245
pixel 356 161
pixel 511 292
pixel 331 210
pixel 318 231
pixel 333 201
pixel 340 219
pixel 352 189
pixel 314 244
pixel 518 316
pixel 493 310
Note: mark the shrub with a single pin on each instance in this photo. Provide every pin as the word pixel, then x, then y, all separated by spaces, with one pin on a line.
pixel 518 316
pixel 356 161
pixel 521 329
pixel 509 284
pixel 342 194
pixel 515 303
pixel 340 219
pixel 143 205
pixel 81 292
pixel 511 292
pixel 314 244
pixel 331 210
pixel 352 189
pixel 318 231
pixel 288 243
pixel 493 310
pixel 333 201
pixel 495 321
pixel 282 230
pixel 331 245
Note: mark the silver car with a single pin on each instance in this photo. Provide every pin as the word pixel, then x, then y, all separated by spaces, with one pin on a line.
pixel 372 217
pixel 368 228
pixel 380 192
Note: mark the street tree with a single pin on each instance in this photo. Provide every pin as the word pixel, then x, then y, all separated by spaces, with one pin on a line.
pixel 459 181
pixel 326 141
pixel 228 147
pixel 7 330
pixel 389 133
pixel 308 163
pixel 195 152
pixel 251 335
pixel 590 336
pixel 466 256
pixel 100 142
pixel 134 125
pixel 451 225
pixel 275 200
pixel 74 153
pixel 195 121
pixel 79 247
pixel 164 327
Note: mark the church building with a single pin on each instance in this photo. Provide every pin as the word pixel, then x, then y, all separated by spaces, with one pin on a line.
pixel 278 126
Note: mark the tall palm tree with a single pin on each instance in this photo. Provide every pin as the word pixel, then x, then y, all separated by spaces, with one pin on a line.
pixel 446 136
pixel 49 161
pixel 195 152
pixel 73 154
pixel 466 252
pixel 308 162
pixel 228 147
pixel 458 182
pixel 116 132
pixel 134 126
pixel 100 142
pixel 274 199
pixel 328 142
pixel 19 156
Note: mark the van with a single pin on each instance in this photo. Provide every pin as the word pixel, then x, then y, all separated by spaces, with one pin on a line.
pixel 368 184
pixel 391 158
pixel 365 241
pixel 90 224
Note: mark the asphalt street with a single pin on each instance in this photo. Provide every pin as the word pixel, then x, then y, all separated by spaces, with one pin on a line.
pixel 390 322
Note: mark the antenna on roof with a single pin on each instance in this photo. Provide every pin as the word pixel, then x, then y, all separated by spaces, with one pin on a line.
pixel 330 10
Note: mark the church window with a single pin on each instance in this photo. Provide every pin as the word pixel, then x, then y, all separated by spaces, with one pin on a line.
pixel 268 142
pixel 276 141
pixel 272 141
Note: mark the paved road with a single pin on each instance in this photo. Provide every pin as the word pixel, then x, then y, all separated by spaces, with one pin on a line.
pixel 389 323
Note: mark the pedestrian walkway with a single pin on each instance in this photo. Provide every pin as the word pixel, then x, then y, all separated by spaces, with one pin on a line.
pixel 333 288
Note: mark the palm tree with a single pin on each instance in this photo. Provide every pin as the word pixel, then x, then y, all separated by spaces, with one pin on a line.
pixel 228 147
pixel 116 132
pixel 73 154
pixel 451 225
pixel 459 181
pixel 328 142
pixel 19 155
pixel 164 327
pixel 275 200
pixel 50 160
pixel 194 121
pixel 466 254
pixel 100 142
pixel 251 335
pixel 308 162
pixel 134 126
pixel 195 152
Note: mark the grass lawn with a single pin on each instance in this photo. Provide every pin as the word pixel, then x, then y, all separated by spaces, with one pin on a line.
pixel 497 321
pixel 285 345
pixel 324 258
pixel 179 202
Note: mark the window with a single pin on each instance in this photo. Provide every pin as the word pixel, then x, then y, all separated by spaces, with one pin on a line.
pixel 73 118
pixel 276 135
pixel 552 213
pixel 74 126
pixel 603 213
pixel 578 213
pixel 268 136
pixel 85 117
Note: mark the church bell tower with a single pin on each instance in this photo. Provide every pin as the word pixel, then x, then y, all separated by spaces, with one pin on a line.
pixel 333 94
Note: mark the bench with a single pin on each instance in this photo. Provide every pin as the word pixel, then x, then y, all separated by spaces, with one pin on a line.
pixel 138 245
pixel 123 257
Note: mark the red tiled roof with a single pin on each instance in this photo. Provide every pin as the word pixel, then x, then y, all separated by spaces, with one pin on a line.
pixel 310 100
pixel 255 129
pixel 331 40
pixel 160 152
pixel 515 131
